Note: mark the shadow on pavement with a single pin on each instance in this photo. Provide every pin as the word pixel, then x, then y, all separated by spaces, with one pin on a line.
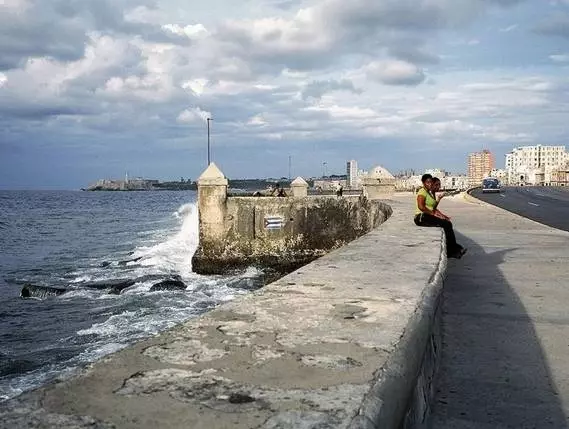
pixel 493 371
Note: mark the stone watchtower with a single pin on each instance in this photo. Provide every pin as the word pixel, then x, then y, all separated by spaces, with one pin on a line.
pixel 212 200
pixel 299 187
pixel 378 184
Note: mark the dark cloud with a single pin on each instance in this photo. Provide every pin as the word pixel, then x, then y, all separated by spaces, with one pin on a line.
pixel 505 2
pixel 59 29
pixel 316 89
pixel 40 111
pixel 555 25
pixel 413 55
pixel 285 4
pixel 23 36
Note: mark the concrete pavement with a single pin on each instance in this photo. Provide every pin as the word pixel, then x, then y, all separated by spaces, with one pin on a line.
pixel 505 357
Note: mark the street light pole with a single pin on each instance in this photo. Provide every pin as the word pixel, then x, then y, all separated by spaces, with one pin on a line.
pixel 208 146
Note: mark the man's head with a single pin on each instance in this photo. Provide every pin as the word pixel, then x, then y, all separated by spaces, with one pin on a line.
pixel 436 184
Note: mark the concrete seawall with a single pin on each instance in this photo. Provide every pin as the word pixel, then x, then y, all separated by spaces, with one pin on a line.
pixel 349 341
pixel 276 233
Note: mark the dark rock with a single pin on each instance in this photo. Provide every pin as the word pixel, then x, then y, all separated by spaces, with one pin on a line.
pixel 169 284
pixel 130 260
pixel 105 264
pixel 149 277
pixel 247 283
pixel 33 291
pixel 240 398
pixel 114 286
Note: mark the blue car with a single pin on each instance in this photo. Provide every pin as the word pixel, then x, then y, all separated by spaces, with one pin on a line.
pixel 490 184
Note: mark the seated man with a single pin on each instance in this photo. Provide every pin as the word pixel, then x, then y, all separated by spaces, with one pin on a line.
pixel 428 215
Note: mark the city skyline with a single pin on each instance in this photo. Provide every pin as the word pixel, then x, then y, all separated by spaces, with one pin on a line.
pixel 92 89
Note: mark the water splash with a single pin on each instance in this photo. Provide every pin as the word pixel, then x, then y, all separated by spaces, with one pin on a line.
pixel 174 254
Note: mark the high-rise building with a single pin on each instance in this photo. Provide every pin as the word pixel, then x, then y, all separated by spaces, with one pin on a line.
pixel 352 173
pixel 480 164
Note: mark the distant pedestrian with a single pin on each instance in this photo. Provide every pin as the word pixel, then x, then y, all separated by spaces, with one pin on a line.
pixel 428 215
pixel 339 190
pixel 279 191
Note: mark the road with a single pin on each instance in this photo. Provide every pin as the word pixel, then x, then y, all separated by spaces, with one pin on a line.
pixel 546 205
pixel 505 321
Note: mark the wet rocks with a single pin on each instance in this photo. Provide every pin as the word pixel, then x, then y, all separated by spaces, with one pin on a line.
pixel 115 287
pixel 169 284
pixel 41 292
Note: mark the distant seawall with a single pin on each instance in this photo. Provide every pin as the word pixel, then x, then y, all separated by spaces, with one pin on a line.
pixel 281 234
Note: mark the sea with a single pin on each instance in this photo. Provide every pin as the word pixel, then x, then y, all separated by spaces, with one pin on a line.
pixel 74 239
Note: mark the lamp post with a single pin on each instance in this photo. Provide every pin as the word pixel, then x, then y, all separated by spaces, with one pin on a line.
pixel 208 146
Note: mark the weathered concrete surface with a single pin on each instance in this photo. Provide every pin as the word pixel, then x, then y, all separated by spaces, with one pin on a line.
pixel 308 228
pixel 506 324
pixel 339 343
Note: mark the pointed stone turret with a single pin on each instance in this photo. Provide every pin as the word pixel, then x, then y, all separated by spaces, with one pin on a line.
pixel 212 176
pixel 299 187
pixel 212 204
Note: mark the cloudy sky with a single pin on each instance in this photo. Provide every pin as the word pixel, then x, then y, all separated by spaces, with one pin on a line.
pixel 94 88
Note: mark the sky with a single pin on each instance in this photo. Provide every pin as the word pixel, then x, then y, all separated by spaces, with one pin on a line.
pixel 93 89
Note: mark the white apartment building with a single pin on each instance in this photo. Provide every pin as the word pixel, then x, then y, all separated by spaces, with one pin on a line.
pixel 500 174
pixel 533 165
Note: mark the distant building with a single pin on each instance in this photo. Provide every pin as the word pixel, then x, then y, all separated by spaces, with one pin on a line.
pixel 455 181
pixel 500 174
pixel 352 179
pixel 536 165
pixel 329 184
pixel 136 184
pixel 407 183
pixel 560 176
pixel 436 172
pixel 480 164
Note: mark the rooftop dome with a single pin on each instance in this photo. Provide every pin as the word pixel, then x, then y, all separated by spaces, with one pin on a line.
pixel 379 172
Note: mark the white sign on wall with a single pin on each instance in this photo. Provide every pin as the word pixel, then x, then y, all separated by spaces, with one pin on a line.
pixel 274 222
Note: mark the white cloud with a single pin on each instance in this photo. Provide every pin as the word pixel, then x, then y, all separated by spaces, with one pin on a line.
pixel 193 115
pixel 14 6
pixel 509 28
pixel 559 58
pixel 395 72
pixel 257 120
pixel 3 79
pixel 190 31
pixel 197 86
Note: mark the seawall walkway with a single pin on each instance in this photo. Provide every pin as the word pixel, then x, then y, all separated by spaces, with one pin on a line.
pixel 348 341
pixel 505 357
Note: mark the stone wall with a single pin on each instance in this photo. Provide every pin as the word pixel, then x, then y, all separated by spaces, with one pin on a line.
pixel 278 233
